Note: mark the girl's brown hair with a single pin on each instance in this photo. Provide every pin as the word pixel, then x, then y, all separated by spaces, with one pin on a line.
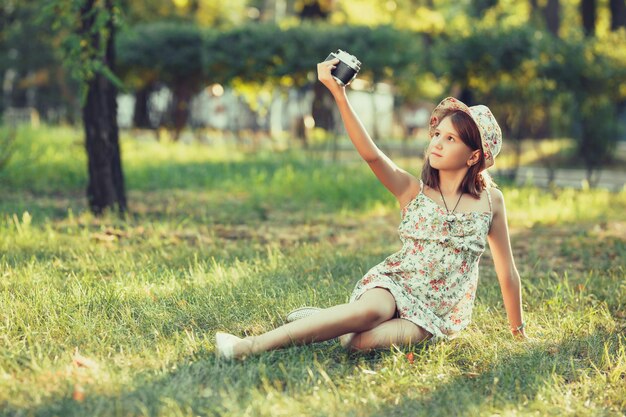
pixel 475 181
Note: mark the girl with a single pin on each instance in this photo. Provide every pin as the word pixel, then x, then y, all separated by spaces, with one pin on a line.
pixel 425 291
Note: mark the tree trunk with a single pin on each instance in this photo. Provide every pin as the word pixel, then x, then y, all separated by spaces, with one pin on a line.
pixel 106 182
pixel 181 102
pixel 553 19
pixel 535 13
pixel 141 115
pixel 618 14
pixel 313 10
pixel 427 41
pixel 467 96
pixel 322 107
pixel 588 15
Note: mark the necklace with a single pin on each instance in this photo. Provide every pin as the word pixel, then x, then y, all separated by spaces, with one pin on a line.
pixel 450 217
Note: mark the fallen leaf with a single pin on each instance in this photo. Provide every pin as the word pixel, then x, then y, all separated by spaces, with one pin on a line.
pixel 79 393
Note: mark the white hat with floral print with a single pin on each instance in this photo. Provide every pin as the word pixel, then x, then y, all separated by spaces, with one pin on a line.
pixel 488 127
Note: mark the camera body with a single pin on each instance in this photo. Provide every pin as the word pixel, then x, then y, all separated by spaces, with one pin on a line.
pixel 347 68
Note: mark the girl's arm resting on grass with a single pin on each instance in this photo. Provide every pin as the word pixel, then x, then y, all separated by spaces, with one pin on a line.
pixel 508 277
pixel 399 182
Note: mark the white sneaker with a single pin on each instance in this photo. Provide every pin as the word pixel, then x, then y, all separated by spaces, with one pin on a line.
pixel 224 345
pixel 300 313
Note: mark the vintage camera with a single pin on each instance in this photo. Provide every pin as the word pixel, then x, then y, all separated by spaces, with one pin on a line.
pixel 347 68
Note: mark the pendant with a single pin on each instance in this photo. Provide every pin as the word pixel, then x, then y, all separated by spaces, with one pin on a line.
pixel 450 218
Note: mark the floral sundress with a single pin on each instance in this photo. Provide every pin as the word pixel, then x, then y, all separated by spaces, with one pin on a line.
pixel 433 278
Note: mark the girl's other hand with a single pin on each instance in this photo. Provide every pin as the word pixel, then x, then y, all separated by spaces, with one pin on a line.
pixel 520 335
pixel 323 74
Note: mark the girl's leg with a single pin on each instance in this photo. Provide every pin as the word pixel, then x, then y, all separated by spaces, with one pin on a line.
pixel 373 308
pixel 394 331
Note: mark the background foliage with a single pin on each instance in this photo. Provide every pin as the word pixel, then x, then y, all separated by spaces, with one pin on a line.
pixel 545 78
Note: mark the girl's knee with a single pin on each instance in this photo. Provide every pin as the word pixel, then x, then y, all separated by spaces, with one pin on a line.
pixel 376 305
pixel 368 315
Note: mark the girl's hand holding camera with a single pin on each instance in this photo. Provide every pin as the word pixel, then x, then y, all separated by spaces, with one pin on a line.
pixel 338 70
pixel 326 78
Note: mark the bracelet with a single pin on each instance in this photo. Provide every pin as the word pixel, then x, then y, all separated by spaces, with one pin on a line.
pixel 519 328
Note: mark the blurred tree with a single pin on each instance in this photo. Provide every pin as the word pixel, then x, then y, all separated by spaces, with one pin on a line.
pixel 618 14
pixel 31 72
pixel 618 20
pixel 88 31
pixel 144 11
pixel 588 75
pixel 106 181
pixel 314 9
pixel 597 76
pixel 203 13
pixel 547 15
pixel 165 52
pixel 588 16
pixel 321 111
pixel 553 16
pixel 535 12
pixel 141 111
pixel 497 64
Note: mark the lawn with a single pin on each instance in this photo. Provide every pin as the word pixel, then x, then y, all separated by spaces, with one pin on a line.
pixel 116 317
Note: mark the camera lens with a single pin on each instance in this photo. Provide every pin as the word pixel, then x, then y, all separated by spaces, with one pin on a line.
pixel 343 73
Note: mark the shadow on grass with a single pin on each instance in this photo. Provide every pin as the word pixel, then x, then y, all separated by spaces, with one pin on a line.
pixel 512 382
pixel 212 191
pixel 205 385
pixel 279 173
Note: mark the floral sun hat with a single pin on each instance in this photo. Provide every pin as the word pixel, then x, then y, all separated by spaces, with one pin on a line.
pixel 488 127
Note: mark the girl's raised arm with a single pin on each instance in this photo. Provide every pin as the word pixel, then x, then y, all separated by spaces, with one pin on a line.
pixel 399 182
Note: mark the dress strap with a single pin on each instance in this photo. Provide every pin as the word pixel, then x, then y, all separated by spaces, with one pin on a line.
pixel 489 196
pixel 421 187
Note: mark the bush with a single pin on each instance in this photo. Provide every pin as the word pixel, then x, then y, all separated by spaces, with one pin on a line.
pixel 524 74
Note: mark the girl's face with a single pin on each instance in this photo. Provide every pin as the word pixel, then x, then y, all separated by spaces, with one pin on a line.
pixel 446 150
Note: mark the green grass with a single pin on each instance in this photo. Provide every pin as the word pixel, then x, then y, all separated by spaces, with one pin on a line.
pixel 220 239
